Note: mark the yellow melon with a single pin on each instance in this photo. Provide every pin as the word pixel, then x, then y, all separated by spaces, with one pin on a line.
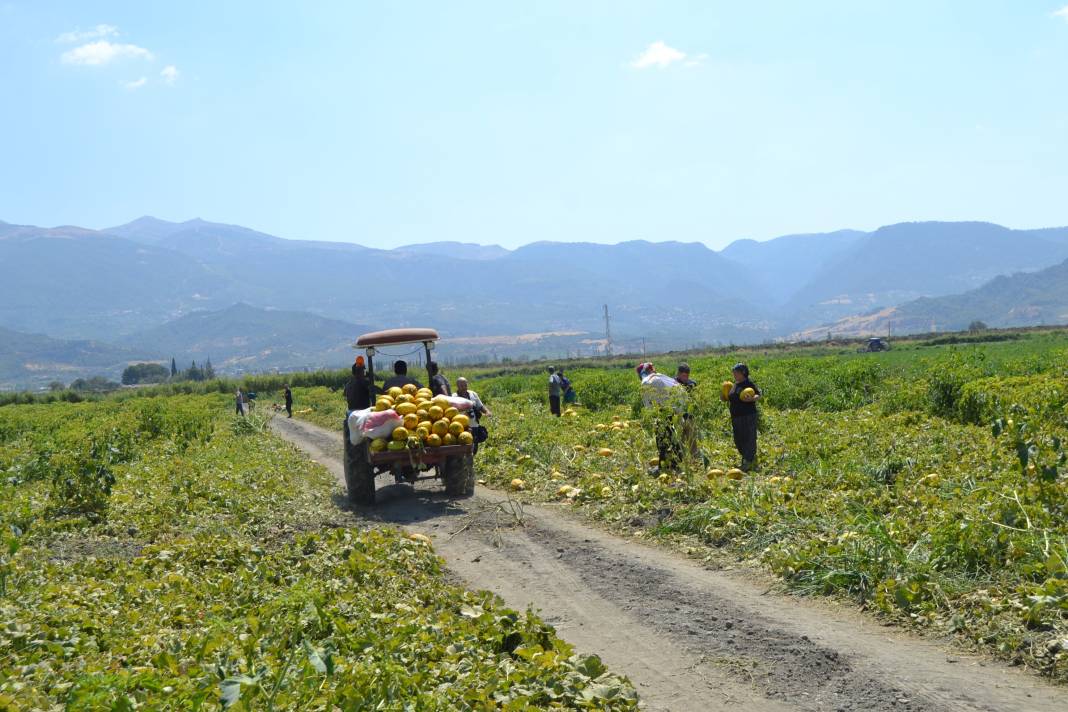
pixel 396 445
pixel 378 444
pixel 448 439
pixel 400 433
pixel 436 412
pixel 411 421
pixel 409 388
pixel 422 433
pixel 748 395
pixel 433 440
pixel 423 413
pixel 395 391
pixel 405 409
pixel 455 428
pixel 450 413
pixel 462 419
pixel 465 438
pixel 725 390
pixel 441 427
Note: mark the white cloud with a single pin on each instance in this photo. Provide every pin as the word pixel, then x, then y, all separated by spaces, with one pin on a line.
pixel 170 74
pixel 657 55
pixel 95 33
pixel 135 84
pixel 1063 12
pixel 103 52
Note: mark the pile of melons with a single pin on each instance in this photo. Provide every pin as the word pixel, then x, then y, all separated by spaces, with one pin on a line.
pixel 428 420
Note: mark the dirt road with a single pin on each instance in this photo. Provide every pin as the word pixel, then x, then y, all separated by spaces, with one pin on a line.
pixel 688 637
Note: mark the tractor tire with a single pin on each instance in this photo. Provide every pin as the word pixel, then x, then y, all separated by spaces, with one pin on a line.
pixel 459 475
pixel 359 475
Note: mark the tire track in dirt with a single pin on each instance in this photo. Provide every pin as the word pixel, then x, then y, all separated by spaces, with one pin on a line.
pixel 688 637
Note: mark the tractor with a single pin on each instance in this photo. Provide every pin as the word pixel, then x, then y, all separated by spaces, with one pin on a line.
pixel 454 465
pixel 874 345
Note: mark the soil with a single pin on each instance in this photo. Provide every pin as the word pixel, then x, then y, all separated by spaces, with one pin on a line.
pixel 688 637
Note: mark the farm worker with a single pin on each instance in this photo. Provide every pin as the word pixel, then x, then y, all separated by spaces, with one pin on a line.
pixel 682 375
pixel 565 383
pixel 477 411
pixel 667 396
pixel 439 385
pixel 689 424
pixel 556 387
pixel 289 399
pixel 358 389
pixel 240 402
pixel 400 377
pixel 744 415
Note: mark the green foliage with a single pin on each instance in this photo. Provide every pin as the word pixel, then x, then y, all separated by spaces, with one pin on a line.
pixel 220 579
pixel 928 483
pixel 144 373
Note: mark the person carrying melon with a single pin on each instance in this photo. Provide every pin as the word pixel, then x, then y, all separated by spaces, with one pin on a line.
pixel 742 399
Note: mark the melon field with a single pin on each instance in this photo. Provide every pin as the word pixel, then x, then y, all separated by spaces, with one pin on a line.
pixel 161 554
pixel 929 484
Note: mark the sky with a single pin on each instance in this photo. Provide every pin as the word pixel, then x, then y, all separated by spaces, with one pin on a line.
pixel 389 123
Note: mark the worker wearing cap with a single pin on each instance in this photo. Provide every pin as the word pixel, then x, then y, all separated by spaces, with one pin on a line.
pixel 668 399
pixel 744 416
pixel 358 389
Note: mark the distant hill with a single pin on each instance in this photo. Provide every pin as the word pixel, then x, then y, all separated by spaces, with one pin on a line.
pixel 784 265
pixel 72 283
pixel 32 360
pixel 1022 299
pixel 120 285
pixel 899 263
pixel 459 250
pixel 244 338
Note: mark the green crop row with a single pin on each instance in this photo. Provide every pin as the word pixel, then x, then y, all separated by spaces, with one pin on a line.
pixel 163 554
pixel 929 484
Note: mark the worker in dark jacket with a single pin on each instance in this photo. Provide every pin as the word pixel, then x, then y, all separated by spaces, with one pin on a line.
pixel 400 377
pixel 744 415
pixel 288 394
pixel 358 389
pixel 439 385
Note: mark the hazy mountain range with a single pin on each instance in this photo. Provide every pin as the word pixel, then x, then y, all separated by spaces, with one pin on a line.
pixel 252 301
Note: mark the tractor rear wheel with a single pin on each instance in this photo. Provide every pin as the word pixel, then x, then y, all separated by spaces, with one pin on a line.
pixel 459 475
pixel 359 475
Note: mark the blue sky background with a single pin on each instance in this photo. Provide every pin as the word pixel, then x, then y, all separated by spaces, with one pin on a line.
pixel 387 123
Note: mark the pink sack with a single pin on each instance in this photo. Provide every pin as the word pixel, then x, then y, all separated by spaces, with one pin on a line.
pixel 460 403
pixel 381 423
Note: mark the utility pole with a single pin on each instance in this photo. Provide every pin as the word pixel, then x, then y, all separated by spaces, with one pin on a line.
pixel 607 334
